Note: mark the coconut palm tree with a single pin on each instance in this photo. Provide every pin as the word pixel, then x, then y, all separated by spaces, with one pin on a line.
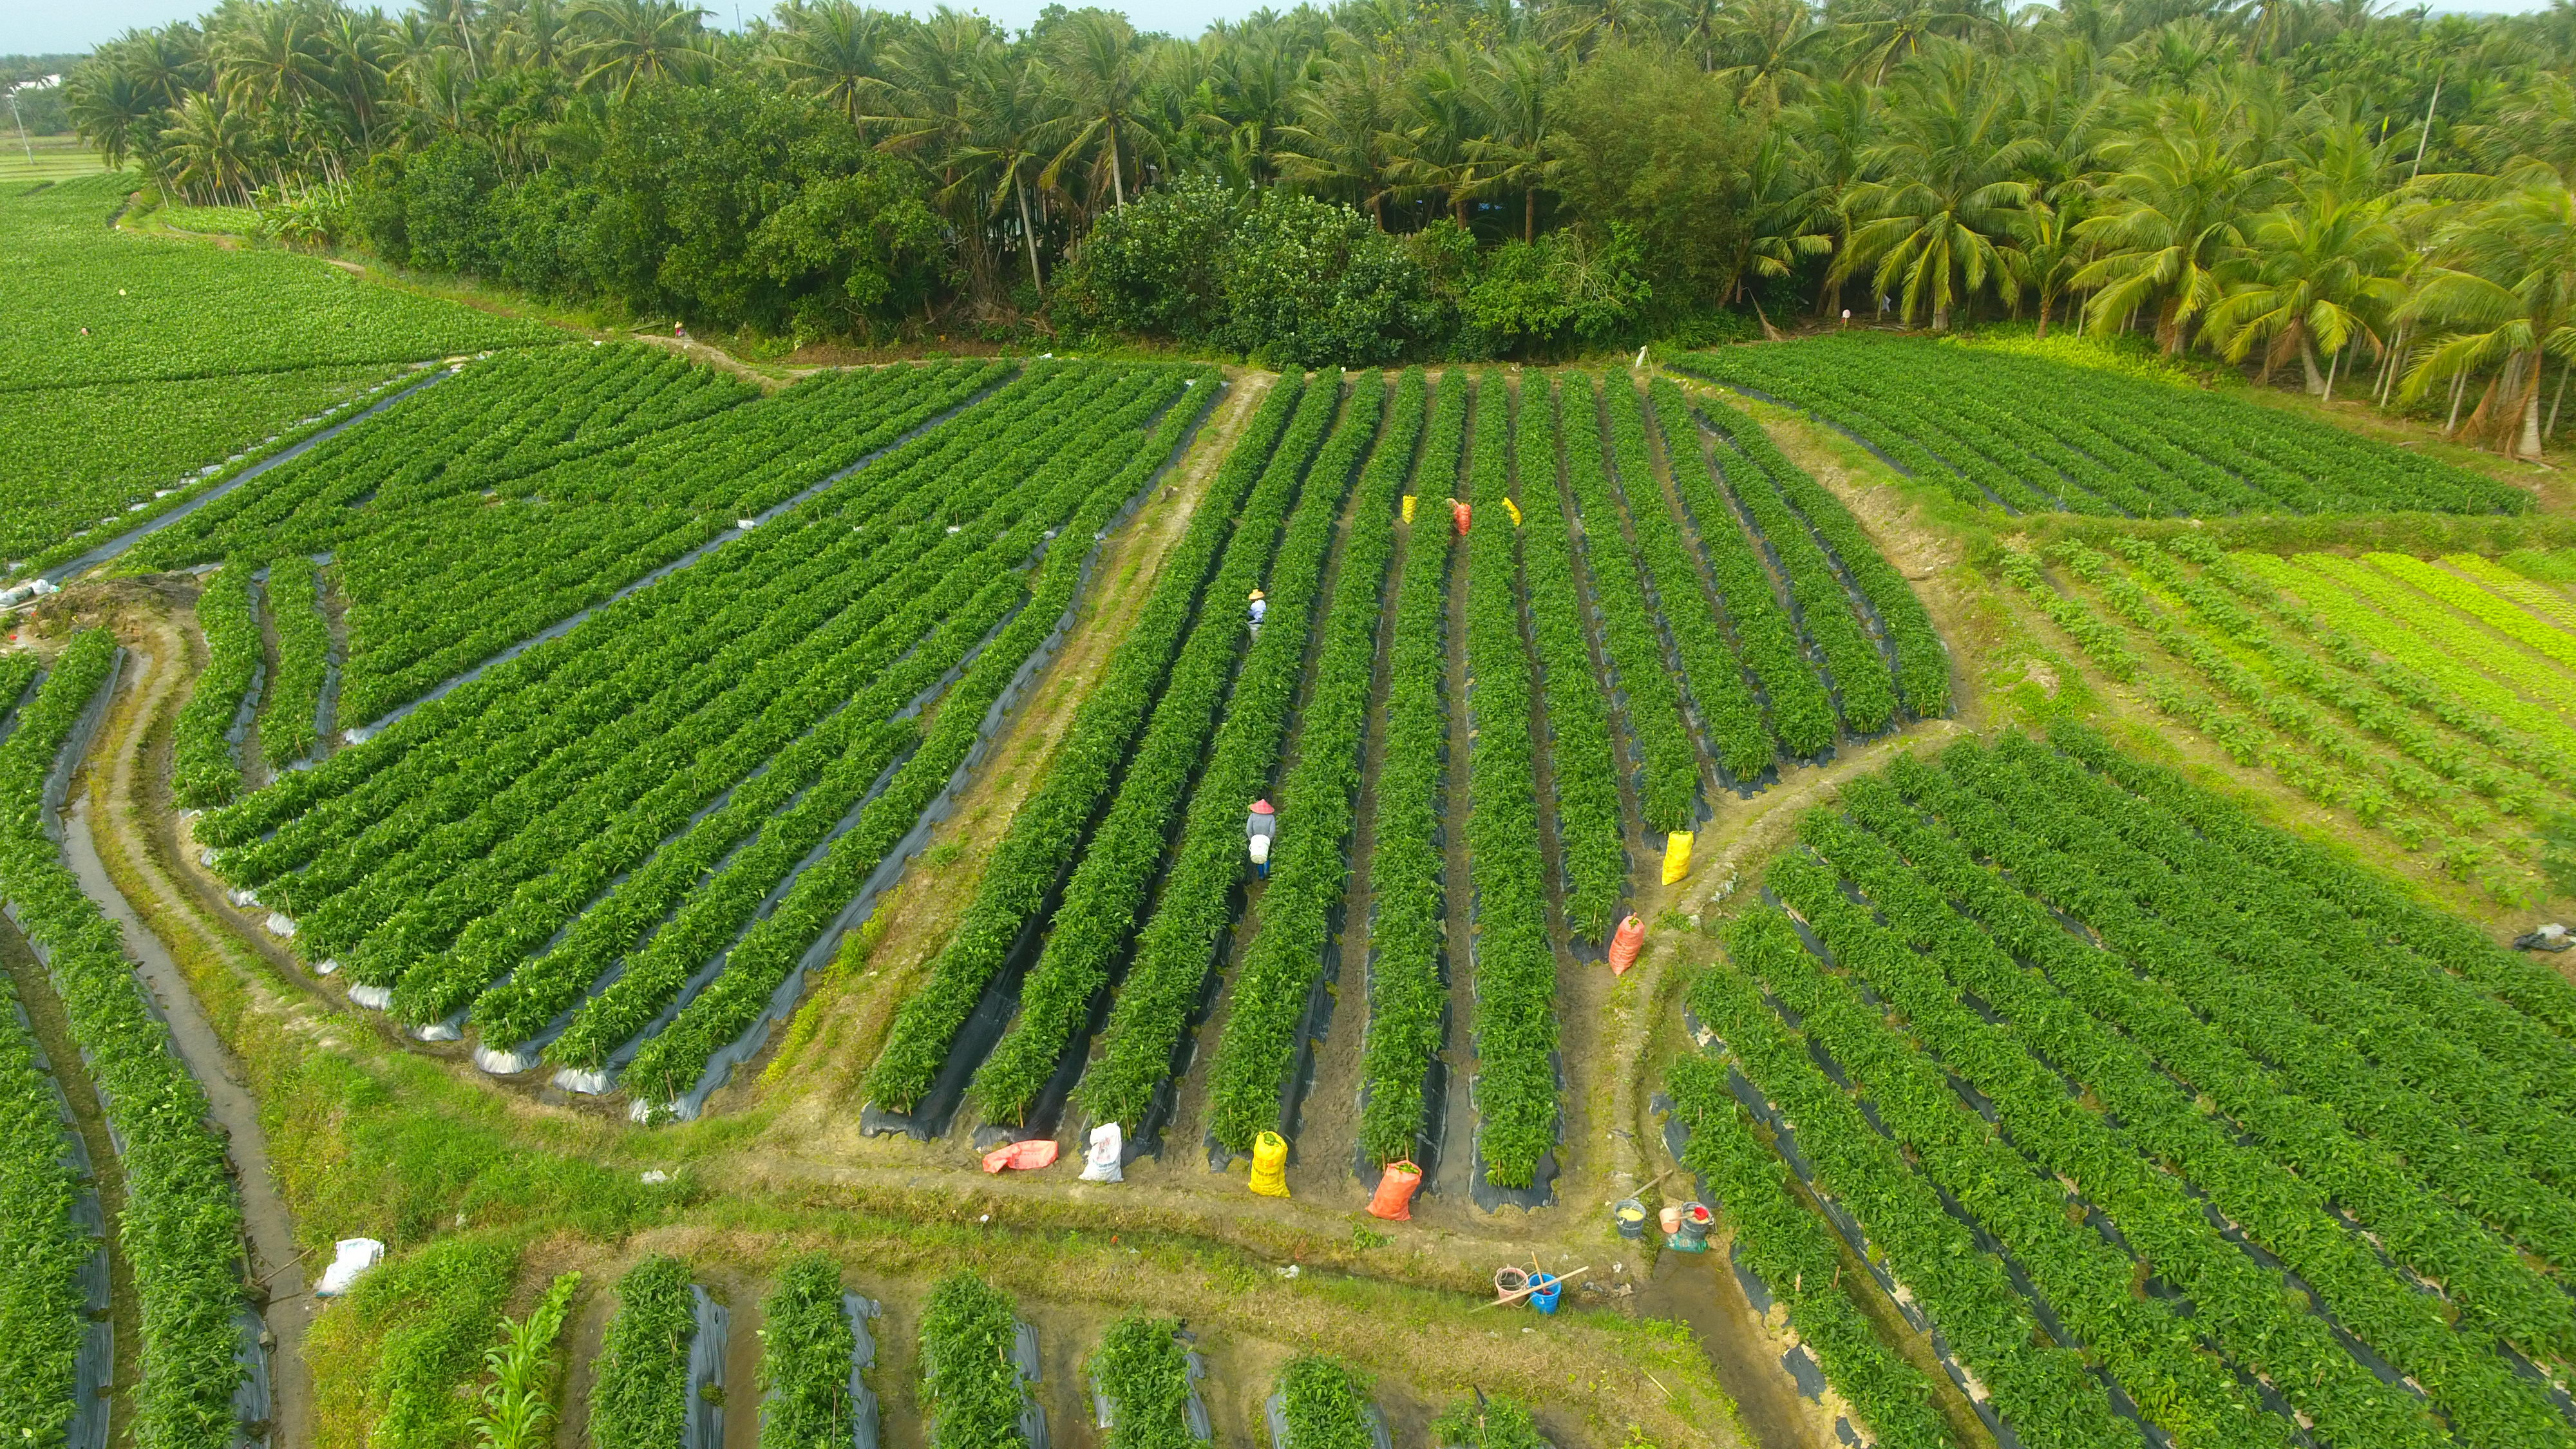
pixel 1936 226
pixel 2315 276
pixel 1097 71
pixel 2174 208
pixel 210 149
pixel 1344 141
pixel 2504 285
pixel 829 52
pixel 622 42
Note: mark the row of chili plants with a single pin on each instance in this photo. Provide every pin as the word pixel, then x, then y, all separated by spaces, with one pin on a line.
pixel 639 1389
pixel 394 906
pixel 1324 1405
pixel 970 1383
pixel 41 1314
pixel 768 952
pixel 205 767
pixel 1922 662
pixel 806 1345
pixel 1143 1374
pixel 1514 1025
pixel 2296 1169
pixel 1721 684
pixel 1318 799
pixel 291 707
pixel 1100 913
pixel 1407 995
pixel 1651 702
pixel 1176 952
pixel 1591 838
pixel 1048 832
pixel 2190 932
pixel 1790 1248
pixel 2241 1305
pixel 180 1232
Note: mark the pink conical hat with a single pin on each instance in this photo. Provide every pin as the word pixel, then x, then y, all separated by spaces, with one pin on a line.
pixel 1262 807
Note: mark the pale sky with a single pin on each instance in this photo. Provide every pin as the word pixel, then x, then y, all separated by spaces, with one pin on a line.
pixel 39 27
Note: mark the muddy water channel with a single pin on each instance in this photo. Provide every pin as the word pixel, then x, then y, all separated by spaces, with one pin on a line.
pixel 236 1114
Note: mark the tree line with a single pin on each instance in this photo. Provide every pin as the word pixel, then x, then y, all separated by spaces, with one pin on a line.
pixel 2380 199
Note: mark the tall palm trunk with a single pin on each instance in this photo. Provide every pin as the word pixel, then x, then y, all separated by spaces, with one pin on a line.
pixel 1028 234
pixel 2528 446
pixel 1529 215
pixel 2308 367
pixel 1117 180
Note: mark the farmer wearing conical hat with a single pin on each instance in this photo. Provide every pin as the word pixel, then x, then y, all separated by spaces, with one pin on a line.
pixel 1261 831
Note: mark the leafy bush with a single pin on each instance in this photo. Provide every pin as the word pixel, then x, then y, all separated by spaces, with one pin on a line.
pixel 968 1381
pixel 805 1349
pixel 639 1396
pixel 204 769
pixel 1483 1423
pixel 1145 1374
pixel 1326 1407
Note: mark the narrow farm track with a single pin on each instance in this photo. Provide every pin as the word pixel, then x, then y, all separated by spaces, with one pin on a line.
pixel 107 843
pixel 1455 1174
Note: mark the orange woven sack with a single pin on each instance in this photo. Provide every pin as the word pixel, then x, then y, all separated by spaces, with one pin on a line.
pixel 1462 513
pixel 1625 943
pixel 1394 1198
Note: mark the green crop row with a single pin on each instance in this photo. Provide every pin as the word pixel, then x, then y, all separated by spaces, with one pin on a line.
pixel 205 769
pixel 2242 1306
pixel 1324 1405
pixel 1514 1025
pixel 969 1384
pixel 180 1232
pixel 805 1351
pixel 2363 696
pixel 1922 663
pixel 1144 1373
pixel 1050 827
pixel 1668 782
pixel 1098 915
pixel 1590 836
pixel 1310 863
pixel 1824 609
pixel 731 1005
pixel 291 705
pixel 2540 635
pixel 943 606
pixel 550 676
pixel 1176 950
pixel 1719 684
pixel 639 1392
pixel 406 902
pixel 2142 1340
pixel 2040 1388
pixel 495 421
pixel 440 587
pixel 40 1314
pixel 1406 867
pixel 2323 1165
pixel 1781 1241
pixel 2083 868
pixel 2111 442
pixel 696 633
pixel 18 669
pixel 1766 635
pixel 2443 652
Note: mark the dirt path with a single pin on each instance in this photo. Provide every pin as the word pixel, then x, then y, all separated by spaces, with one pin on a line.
pixel 116 783
pixel 850 1007
pixel 1455 1171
